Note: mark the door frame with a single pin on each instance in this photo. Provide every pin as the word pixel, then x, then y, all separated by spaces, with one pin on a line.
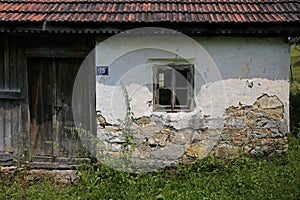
pixel 53 56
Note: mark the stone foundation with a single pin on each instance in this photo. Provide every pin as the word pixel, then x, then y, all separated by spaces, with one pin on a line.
pixel 257 130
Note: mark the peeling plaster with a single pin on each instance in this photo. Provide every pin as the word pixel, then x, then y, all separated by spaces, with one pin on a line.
pixel 231 74
pixel 211 101
pixel 215 97
pixel 228 71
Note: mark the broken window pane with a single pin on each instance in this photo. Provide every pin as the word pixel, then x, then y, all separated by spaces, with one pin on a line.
pixel 181 77
pixel 167 77
pixel 181 97
pixel 161 80
pixel 165 96
pixel 173 87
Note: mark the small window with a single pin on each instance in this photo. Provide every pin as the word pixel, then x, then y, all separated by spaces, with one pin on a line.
pixel 173 87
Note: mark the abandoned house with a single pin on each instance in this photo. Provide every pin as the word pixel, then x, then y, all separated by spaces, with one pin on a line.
pixel 168 81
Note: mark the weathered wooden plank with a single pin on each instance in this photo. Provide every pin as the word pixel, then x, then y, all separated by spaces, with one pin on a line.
pixel 13 64
pixel 66 71
pixel 59 148
pixel 6 159
pixel 49 101
pixel 40 74
pixel 84 100
pixel 72 66
pixel 15 60
pixel 58 162
pixel 91 93
pixel 8 124
pixel 10 95
pixel 77 108
pixel 51 123
pixel 92 97
pixel 6 64
pixel 23 85
pixel 2 126
pixel 34 85
pixel 49 53
pixel 58 46
pixel 19 64
pixel 43 111
pixel 78 149
pixel 14 77
pixel 15 126
pixel 1 63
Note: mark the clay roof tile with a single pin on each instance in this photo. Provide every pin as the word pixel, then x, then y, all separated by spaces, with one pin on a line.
pixel 212 11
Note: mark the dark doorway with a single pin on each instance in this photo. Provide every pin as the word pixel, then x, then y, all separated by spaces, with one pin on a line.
pixel 50 83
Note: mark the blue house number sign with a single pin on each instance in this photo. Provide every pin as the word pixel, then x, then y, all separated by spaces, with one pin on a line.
pixel 102 70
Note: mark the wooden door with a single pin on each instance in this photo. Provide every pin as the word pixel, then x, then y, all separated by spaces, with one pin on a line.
pixel 50 86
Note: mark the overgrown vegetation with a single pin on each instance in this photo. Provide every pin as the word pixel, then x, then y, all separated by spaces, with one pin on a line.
pixel 129 117
pixel 210 178
pixel 295 90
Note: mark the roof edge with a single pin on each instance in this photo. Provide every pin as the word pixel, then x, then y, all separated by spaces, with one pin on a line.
pixel 291 29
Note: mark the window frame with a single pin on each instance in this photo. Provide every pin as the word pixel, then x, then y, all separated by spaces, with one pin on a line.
pixel 190 87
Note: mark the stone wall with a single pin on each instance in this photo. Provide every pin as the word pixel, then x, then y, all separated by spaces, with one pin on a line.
pixel 257 130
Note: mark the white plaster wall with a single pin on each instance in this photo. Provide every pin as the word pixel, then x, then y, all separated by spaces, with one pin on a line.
pixel 225 69
pixel 245 58
pixel 214 101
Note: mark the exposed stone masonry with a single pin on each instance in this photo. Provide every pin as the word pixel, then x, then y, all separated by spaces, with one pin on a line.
pixel 257 130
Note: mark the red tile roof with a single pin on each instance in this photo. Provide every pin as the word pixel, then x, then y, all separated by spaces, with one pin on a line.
pixel 208 11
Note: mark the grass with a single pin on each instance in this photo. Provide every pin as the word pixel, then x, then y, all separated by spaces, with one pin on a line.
pixel 210 178
pixel 295 68
pixel 295 87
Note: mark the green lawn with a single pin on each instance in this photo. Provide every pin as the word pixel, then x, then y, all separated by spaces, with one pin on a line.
pixel 210 178
pixel 295 67
pixel 295 87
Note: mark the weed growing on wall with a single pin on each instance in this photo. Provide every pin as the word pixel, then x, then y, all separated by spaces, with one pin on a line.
pixel 129 117
pixel 97 147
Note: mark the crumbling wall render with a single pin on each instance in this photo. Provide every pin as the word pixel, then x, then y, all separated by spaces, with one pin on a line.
pixel 245 112
pixel 257 129
pixel 255 124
